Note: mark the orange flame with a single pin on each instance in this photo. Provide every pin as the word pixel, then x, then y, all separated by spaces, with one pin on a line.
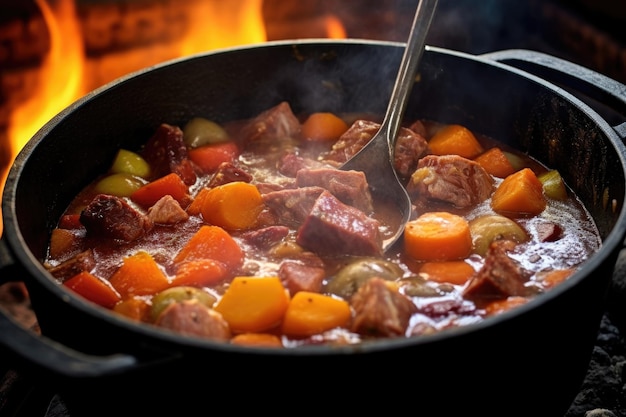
pixel 66 74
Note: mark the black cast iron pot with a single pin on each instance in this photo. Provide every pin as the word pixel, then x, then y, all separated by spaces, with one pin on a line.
pixel 529 361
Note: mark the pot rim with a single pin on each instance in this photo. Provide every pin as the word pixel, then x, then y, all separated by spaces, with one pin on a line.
pixel 610 245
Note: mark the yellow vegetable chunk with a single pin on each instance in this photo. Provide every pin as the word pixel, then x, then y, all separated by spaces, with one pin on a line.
pixel 127 162
pixel 553 185
pixel 232 206
pixel 120 185
pixel 311 313
pixel 253 304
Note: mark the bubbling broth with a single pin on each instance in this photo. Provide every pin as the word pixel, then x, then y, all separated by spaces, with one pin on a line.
pixel 246 232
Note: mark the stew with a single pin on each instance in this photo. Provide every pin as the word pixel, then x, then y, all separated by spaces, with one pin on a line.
pixel 246 232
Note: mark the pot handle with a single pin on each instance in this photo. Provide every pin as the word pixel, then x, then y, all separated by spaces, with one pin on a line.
pixel 603 94
pixel 28 351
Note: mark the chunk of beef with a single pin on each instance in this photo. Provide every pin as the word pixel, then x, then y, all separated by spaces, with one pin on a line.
pixel 451 179
pixel 276 125
pixel 500 277
pixel 167 211
pixel 84 261
pixel 332 227
pixel 350 187
pixel 266 237
pixel 291 206
pixel 110 216
pixel 380 309
pixel 228 172
pixel 410 146
pixel 166 152
pixel 192 318
pixel 303 274
pixel 290 163
pixel 548 231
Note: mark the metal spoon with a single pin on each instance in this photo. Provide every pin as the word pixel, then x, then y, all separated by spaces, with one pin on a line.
pixel 376 158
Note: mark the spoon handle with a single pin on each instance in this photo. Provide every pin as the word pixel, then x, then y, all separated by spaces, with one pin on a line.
pixel 408 69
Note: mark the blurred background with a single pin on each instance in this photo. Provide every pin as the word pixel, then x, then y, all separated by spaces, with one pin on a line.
pixel 54 51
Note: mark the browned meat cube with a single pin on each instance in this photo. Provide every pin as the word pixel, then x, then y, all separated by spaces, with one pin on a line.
pixel 291 206
pixel 111 217
pixel 380 309
pixel 167 211
pixel 305 274
pixel 291 163
pixel 451 179
pixel 84 261
pixel 410 146
pixel 228 172
pixel 277 124
pixel 333 227
pixel 166 152
pixel 266 237
pixel 192 318
pixel 350 187
pixel 500 277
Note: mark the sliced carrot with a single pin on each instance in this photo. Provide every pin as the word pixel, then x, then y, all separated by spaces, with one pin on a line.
pixel 520 193
pixel 170 184
pixel 70 221
pixel 211 242
pixel 555 277
pixel 63 242
pixel 323 126
pixel 93 288
pixel 194 208
pixel 311 313
pixel 500 306
pixel 209 157
pixel 233 206
pixel 139 274
pixel 438 236
pixel 135 308
pixel 455 140
pixel 253 304
pixel 495 162
pixel 453 272
pixel 200 273
pixel 257 339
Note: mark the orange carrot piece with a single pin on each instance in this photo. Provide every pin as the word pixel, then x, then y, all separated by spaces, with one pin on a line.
pixel 253 304
pixel 323 126
pixel 139 274
pixel 200 273
pixel 520 193
pixel 257 339
pixel 233 206
pixel 195 207
pixel 453 272
pixel 495 162
pixel 555 277
pixel 209 157
pixel 438 236
pixel 135 308
pixel 93 289
pixel 311 313
pixel 170 184
pixel 500 306
pixel 63 242
pixel 455 140
pixel 211 242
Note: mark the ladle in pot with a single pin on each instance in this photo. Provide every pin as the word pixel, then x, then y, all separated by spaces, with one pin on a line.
pixel 376 158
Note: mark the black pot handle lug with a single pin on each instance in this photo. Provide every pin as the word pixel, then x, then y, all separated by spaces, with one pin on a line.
pixel 30 352
pixel 603 94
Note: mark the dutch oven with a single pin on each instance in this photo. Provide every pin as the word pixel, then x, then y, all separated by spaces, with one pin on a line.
pixel 528 361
